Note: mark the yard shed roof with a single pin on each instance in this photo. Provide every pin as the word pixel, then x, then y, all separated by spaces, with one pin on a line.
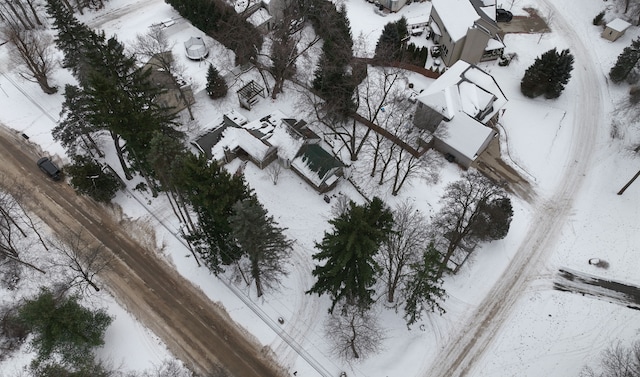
pixel 618 25
pixel 457 16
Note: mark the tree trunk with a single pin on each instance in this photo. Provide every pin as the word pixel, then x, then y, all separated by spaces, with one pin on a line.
pixel 256 275
pixel 33 11
pixel 354 335
pixel 119 152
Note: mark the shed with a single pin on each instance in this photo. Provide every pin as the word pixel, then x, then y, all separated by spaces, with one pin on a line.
pixel 615 29
pixel 248 94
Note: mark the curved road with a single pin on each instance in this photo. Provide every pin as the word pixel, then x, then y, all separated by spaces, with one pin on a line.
pixel 467 347
pixel 197 331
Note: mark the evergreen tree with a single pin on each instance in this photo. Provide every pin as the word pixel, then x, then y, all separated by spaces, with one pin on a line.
pixel 216 86
pixel 423 289
pixel 494 219
pixel 390 45
pixel 548 74
pixel 350 269
pixel 212 192
pixel 72 37
pixel 263 242
pixel 62 327
pixel 89 178
pixel 332 77
pixel 626 62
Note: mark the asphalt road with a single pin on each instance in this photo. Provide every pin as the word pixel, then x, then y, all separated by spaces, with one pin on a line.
pixel 196 330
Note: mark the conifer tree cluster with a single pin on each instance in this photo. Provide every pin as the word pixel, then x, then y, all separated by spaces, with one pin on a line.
pixel 626 62
pixel 220 20
pixel 548 75
pixel 390 46
pixel 335 78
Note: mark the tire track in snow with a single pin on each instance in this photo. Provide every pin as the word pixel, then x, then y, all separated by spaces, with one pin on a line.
pixel 298 326
pixel 459 356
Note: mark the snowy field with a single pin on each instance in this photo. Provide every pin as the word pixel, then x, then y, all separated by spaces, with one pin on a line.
pixel 545 333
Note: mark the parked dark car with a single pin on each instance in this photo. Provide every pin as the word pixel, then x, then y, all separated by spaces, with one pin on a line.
pixel 503 15
pixel 49 168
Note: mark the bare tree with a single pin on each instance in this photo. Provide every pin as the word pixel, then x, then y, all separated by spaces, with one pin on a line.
pixel 32 52
pixel 15 228
pixel 274 171
pixel 617 361
pixel 290 39
pixel 20 12
pixel 462 210
pixel 84 257
pixel 354 332
pixel 155 48
pixel 404 247
pixel 385 102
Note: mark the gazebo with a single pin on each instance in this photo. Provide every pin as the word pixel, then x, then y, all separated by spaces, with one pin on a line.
pixel 248 94
pixel 196 49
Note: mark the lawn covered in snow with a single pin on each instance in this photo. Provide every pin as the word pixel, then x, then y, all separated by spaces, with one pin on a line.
pixel 546 332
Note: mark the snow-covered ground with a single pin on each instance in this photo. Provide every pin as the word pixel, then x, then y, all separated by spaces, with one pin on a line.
pixel 545 332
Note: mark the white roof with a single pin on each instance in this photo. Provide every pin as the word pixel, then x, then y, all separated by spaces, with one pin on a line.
pixel 456 15
pixel 618 25
pixel 464 134
pixel 463 87
pixel 417 20
pixel 233 138
pixel 287 144
pixel 267 124
pixel 490 11
pixel 494 44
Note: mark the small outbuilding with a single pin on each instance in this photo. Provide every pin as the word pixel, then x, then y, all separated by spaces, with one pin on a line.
pixel 615 29
pixel 248 94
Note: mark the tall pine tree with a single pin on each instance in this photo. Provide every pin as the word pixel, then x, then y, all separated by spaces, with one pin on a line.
pixel 390 45
pixel 548 74
pixel 262 241
pixel 349 251
pixel 212 192
pixel 626 62
pixel 423 288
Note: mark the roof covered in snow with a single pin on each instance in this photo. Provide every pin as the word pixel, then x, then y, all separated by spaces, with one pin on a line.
pixel 456 15
pixel 463 87
pixel 467 97
pixel 233 138
pixel 618 24
pixel 464 134
pixel 288 144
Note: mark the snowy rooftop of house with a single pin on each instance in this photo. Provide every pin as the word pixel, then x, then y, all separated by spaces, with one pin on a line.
pixel 463 87
pixel 418 20
pixel 233 138
pixel 464 134
pixel 315 163
pixel 288 144
pixel 259 17
pixel 618 24
pixel 264 126
pixel 457 16
pixel 494 44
